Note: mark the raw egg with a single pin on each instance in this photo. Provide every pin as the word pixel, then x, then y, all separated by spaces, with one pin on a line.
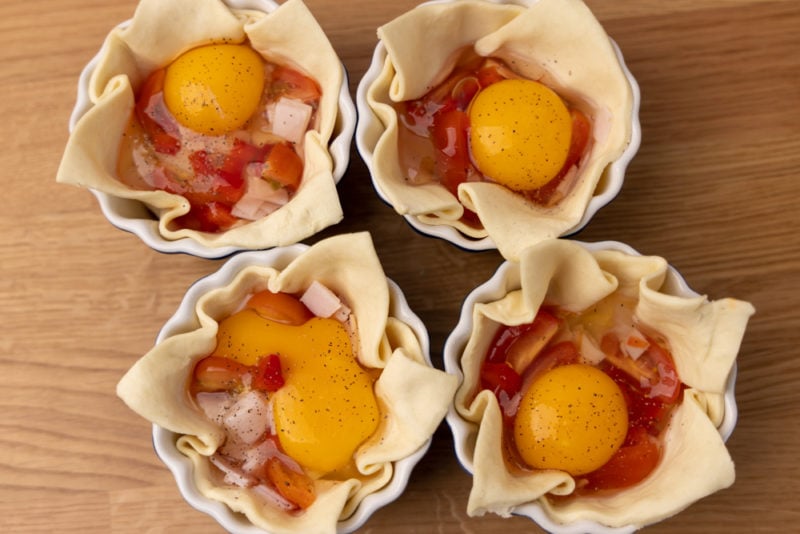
pixel 327 406
pixel 573 418
pixel 520 133
pixel 214 89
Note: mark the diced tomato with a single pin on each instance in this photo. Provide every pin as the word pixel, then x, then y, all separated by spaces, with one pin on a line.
pixel 667 388
pixel 581 130
pixel 154 116
pixel 240 155
pixel 215 373
pixel 489 74
pixel 279 307
pixel 284 166
pixel 290 83
pixel 269 376
pixel 653 373
pixel 556 355
pixel 531 341
pixel 500 377
pixel 295 487
pixel 449 136
pixel 643 412
pixel 508 335
pixel 631 464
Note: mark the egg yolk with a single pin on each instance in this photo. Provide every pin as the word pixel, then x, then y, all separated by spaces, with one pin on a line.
pixel 520 133
pixel 327 406
pixel 573 418
pixel 214 89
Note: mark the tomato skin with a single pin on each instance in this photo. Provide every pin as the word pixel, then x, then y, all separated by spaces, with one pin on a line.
pixel 279 307
pixel 215 373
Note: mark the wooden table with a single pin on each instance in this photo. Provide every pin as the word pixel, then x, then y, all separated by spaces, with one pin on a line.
pixel 714 189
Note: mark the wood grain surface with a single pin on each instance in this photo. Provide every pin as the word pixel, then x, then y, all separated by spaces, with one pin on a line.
pixel 714 189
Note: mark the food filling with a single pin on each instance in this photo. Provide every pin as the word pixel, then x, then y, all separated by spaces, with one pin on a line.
pixel 224 128
pixel 587 393
pixel 284 383
pixel 485 122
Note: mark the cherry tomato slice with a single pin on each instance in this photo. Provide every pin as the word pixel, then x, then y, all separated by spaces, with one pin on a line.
pixel 500 377
pixel 279 307
pixel 215 373
pixel 295 487
pixel 449 136
pixel 290 83
pixel 631 464
pixel 531 341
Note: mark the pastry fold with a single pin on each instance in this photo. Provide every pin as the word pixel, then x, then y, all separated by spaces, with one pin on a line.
pixel 558 42
pixel 413 396
pixel 704 338
pixel 131 52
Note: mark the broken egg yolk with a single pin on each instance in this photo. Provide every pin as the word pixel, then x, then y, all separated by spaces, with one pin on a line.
pixel 327 406
pixel 214 89
pixel 573 418
pixel 520 133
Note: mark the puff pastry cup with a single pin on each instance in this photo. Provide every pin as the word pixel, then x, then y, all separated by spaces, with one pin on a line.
pixel 558 42
pixel 413 397
pixel 704 337
pixel 158 33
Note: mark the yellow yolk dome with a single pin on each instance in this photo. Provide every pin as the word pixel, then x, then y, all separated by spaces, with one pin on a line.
pixel 214 89
pixel 520 133
pixel 573 418
pixel 327 406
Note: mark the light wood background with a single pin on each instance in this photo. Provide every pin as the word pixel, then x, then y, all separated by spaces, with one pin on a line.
pixel 714 189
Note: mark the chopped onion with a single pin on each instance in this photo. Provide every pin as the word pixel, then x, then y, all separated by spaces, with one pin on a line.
pixel 257 456
pixel 233 476
pixel 635 344
pixel 250 417
pixel 320 300
pixel 214 405
pixel 290 119
pixel 590 351
pixel 260 199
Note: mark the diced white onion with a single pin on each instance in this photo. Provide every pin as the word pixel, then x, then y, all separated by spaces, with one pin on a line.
pixel 214 405
pixel 260 199
pixel 635 344
pixel 343 313
pixel 233 476
pixel 590 351
pixel 249 418
pixel 257 456
pixel 290 119
pixel 320 300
